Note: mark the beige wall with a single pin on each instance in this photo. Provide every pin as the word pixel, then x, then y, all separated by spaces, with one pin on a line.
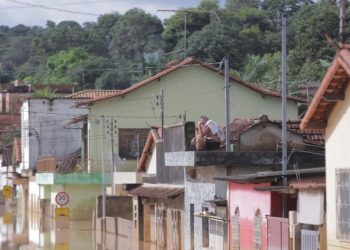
pixel 193 89
pixel 337 156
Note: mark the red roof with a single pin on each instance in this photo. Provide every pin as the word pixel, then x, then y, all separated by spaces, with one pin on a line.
pixel 92 94
pixel 330 92
pixel 160 191
pixel 239 126
pixel 185 62
pixel 311 183
pixel 152 138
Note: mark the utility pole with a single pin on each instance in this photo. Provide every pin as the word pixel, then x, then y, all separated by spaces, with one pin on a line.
pixel 227 106
pixel 161 96
pixel 112 144
pixel 284 111
pixel 102 131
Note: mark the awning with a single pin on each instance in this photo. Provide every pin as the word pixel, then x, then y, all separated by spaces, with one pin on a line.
pixel 158 191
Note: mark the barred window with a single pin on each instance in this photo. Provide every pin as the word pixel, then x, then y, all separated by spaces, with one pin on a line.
pixel 257 229
pixel 131 142
pixel 343 203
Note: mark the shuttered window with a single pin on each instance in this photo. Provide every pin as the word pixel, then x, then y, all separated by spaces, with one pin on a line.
pixel 343 203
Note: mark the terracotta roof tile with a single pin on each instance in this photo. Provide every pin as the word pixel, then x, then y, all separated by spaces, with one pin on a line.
pixel 185 62
pixel 92 94
pixel 331 90
pixel 158 191
pixel 239 126
pixel 311 183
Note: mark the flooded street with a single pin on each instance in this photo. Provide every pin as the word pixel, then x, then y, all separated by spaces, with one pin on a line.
pixel 21 231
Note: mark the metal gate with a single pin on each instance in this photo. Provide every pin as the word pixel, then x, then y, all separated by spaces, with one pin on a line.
pixel 277 233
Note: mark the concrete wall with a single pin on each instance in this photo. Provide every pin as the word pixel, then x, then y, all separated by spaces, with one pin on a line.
pixel 193 89
pixel 116 206
pixel 43 132
pixel 337 156
pixel 199 188
pixel 265 136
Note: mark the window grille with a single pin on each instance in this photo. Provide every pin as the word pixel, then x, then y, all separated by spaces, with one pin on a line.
pixel 343 203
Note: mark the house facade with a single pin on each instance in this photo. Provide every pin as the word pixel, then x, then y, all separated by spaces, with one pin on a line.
pixel 330 109
pixel 191 88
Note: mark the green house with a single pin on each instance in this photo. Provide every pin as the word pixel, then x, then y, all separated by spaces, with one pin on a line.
pixel 191 88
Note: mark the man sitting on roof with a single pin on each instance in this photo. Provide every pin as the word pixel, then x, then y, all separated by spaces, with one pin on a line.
pixel 209 135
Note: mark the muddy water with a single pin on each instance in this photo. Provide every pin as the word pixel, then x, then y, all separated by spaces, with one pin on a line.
pixel 20 230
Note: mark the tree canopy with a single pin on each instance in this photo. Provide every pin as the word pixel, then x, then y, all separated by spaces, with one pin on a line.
pixel 120 49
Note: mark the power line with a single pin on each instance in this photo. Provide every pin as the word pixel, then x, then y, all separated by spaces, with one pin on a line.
pixel 52 8
pixel 56 4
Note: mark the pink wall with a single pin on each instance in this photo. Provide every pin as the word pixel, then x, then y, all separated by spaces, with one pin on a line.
pixel 249 201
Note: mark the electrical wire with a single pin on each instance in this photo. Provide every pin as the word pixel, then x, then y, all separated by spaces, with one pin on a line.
pixel 53 8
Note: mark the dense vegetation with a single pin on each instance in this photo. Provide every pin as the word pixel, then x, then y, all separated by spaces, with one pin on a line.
pixel 119 50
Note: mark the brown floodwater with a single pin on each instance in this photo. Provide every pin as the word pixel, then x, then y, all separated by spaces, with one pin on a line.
pixel 20 230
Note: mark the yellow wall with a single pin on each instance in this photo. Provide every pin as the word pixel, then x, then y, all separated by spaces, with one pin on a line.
pixel 194 89
pixel 337 156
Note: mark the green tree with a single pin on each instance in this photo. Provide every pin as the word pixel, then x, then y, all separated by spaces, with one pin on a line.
pixel 235 5
pixel 310 25
pixel 63 36
pixel 113 80
pixel 134 34
pixel 196 19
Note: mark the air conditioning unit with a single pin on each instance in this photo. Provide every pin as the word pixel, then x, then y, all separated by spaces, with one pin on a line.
pixel 310 240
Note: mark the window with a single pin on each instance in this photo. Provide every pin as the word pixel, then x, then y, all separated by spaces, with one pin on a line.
pixel 257 229
pixel 343 203
pixel 131 142
pixel 235 230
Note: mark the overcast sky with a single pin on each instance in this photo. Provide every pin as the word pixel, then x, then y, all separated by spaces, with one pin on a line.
pixel 14 12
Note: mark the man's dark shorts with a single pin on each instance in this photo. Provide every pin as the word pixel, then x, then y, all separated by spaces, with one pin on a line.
pixel 211 144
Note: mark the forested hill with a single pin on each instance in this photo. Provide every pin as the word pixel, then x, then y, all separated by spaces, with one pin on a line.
pixel 119 50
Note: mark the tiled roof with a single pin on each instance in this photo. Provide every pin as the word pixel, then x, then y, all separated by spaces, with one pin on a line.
pixel 314 183
pixel 17 149
pixel 92 94
pixel 152 138
pixel 239 126
pixel 161 191
pixel 331 90
pixel 185 62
